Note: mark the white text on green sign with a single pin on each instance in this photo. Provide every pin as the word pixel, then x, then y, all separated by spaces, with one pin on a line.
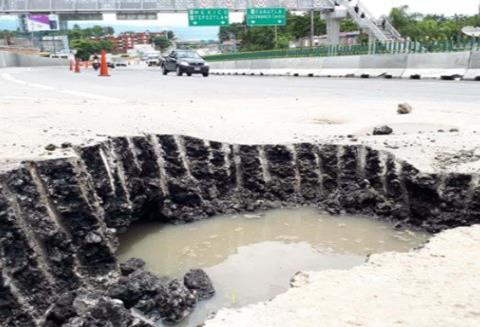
pixel 208 17
pixel 266 16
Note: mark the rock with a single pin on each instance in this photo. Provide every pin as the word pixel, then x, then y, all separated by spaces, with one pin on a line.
pixel 197 280
pixel 85 308
pixel 66 145
pixel 131 265
pixel 51 147
pixel 97 310
pixel 404 108
pixel 454 130
pixel 154 298
pixel 93 238
pixel 175 302
pixel 134 287
pixel 61 311
pixel 382 130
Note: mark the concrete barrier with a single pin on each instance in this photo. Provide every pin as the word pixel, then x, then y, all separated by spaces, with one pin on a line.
pixel 437 65
pixel 427 65
pixel 473 72
pixel 280 66
pixel 307 66
pixel 389 66
pixel 8 59
pixel 339 66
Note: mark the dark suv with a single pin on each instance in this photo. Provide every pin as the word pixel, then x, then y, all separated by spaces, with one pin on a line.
pixel 185 61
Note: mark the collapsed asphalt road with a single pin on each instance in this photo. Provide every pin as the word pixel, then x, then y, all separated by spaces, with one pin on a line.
pixel 424 174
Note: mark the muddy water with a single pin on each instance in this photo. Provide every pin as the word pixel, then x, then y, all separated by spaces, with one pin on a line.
pixel 251 258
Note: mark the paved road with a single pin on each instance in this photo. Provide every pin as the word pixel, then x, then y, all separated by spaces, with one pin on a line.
pixel 52 105
pixel 150 85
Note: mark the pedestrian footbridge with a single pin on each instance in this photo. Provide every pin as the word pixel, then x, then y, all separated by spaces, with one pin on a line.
pixel 378 29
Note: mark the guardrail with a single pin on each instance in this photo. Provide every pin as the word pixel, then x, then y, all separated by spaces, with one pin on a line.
pixel 359 49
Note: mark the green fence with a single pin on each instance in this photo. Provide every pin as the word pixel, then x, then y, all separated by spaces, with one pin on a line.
pixel 359 49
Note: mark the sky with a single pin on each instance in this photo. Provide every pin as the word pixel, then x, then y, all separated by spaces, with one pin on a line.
pixel 179 22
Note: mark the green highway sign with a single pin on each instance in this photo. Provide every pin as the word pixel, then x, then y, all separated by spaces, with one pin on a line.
pixel 266 16
pixel 208 17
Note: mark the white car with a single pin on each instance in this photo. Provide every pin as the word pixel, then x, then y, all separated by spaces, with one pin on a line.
pixel 153 61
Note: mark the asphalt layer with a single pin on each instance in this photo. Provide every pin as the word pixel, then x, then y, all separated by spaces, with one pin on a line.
pixel 40 106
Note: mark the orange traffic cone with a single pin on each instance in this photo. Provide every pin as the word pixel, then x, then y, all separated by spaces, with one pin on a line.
pixel 103 65
pixel 77 65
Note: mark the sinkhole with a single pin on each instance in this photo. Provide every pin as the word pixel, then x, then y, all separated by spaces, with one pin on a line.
pixel 60 220
pixel 252 257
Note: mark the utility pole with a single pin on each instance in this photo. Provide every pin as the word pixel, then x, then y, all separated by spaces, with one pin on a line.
pixel 312 27
pixel 276 35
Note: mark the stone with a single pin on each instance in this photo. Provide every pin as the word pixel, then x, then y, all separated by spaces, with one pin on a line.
pixel 86 308
pixel 198 281
pixel 94 310
pixel 134 287
pixel 175 302
pixel 131 265
pixel 153 297
pixel 382 130
pixel 51 147
pixel 454 130
pixel 61 311
pixel 404 108
pixel 93 238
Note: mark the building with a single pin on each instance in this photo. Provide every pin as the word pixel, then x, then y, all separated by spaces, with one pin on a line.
pixel 127 41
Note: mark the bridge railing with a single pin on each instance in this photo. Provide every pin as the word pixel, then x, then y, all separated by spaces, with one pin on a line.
pixel 59 6
pixel 358 49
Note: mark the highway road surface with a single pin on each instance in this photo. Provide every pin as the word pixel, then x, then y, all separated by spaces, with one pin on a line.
pixel 40 106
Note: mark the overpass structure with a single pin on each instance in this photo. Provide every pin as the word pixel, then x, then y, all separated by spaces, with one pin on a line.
pixel 124 6
pixel 332 10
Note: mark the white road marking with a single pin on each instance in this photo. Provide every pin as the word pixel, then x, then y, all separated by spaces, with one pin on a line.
pixel 8 77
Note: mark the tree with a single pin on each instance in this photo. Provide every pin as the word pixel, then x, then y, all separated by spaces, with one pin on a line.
pixel 162 42
pixel 232 31
pixel 298 26
pixel 96 31
pixel 258 38
pixel 430 27
pixel 87 47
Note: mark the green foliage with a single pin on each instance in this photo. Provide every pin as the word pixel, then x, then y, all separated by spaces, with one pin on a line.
pixel 6 34
pixel 96 31
pixel 420 27
pixel 298 26
pixel 232 31
pixel 161 42
pixel 258 38
pixel 87 47
pixel 81 40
